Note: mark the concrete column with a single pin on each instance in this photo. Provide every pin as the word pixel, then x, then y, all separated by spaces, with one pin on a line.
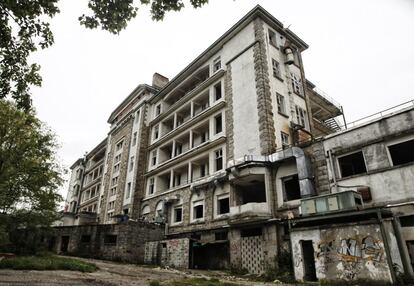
pixel 191 140
pixel 192 109
pixel 175 121
pixel 173 149
pixel 171 179
pixel 190 171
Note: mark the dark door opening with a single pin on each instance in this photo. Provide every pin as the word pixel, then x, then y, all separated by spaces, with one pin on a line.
pixel 214 256
pixel 64 244
pixel 308 260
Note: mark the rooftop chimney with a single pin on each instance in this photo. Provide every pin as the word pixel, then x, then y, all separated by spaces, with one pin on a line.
pixel 159 81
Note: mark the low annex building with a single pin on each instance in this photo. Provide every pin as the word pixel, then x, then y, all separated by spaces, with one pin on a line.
pixel 238 160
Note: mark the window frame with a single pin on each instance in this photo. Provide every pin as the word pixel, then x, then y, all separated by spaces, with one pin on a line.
pixel 218 199
pixel 220 156
pixel 219 115
pixel 283 180
pixel 396 142
pixel 281 104
pixel 338 166
pixel 277 73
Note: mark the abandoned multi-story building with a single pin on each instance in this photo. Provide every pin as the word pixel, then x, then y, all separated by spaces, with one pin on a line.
pixel 240 159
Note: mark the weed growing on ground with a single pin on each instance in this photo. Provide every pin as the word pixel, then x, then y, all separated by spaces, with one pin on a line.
pixel 47 262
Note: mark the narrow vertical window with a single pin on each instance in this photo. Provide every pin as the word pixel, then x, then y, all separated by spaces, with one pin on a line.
pixel 281 106
pixel 276 69
pixel 272 38
pixel 219 159
pixel 217 91
pixel 218 124
pixel 131 163
pixel 151 186
pixel 217 64
pixel 128 192
pixel 134 139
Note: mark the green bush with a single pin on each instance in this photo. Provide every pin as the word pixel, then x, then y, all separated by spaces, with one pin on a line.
pixel 155 283
pixel 46 262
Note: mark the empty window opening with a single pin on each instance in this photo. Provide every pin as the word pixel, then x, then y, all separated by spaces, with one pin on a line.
pixel 291 188
pixel 158 110
pixel 251 189
pixel 134 139
pixel 151 186
pixel 285 139
pixel 217 91
pixel 178 214
pixel 257 231
pixel 223 206
pixel 85 238
pixel 352 164
pixel 407 221
pixel 198 211
pixel 218 124
pixel 402 153
pixel 110 239
pixel 272 38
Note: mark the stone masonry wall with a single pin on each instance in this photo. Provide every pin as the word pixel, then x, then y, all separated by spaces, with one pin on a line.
pixel 129 246
pixel 264 98
pixel 228 95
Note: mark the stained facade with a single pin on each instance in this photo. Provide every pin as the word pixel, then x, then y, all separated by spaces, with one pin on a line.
pixel 241 158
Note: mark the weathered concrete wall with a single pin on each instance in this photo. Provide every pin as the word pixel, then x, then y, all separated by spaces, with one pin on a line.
pixel 172 252
pixel 129 245
pixel 354 252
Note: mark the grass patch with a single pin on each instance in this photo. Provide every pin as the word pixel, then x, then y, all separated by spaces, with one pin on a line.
pixel 49 262
pixel 199 282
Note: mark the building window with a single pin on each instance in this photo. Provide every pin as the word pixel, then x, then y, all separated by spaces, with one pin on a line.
pixel 110 239
pixel 219 159
pixel 272 38
pixel 137 116
pixel 112 192
pixel 116 168
pixel 281 105
pixel 154 158
pixel 223 205
pixel 151 186
pixel 402 153
pixel 114 181
pixel 220 235
pixel 178 214
pixel 131 163
pixel 301 117
pixel 285 139
pixel 291 188
pixel 352 164
pixel 198 210
pixel 217 64
pixel 128 192
pixel 217 91
pixel 119 145
pixel 158 110
pixel 296 84
pixel 117 158
pixel 203 170
pixel 156 132
pixel 218 124
pixel 276 69
pixel 134 139
pixel 177 180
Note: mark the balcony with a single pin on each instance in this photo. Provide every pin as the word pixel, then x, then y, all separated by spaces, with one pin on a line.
pixel 337 202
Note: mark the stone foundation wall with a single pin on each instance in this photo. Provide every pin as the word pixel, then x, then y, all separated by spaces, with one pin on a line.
pixel 94 240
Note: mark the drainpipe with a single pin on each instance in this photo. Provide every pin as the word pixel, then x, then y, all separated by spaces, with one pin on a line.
pixel 387 247
pixel 332 170
pixel 405 258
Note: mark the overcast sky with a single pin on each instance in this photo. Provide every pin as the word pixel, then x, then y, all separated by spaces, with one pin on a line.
pixel 361 53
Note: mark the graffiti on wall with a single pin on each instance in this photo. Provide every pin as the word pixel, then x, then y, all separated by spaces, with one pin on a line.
pixel 351 250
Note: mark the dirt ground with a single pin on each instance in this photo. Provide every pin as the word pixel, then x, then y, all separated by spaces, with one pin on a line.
pixel 109 274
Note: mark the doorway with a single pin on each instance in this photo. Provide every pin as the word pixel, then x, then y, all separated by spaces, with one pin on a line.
pixel 64 245
pixel 308 260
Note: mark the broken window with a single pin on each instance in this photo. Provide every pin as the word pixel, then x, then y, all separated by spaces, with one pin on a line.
pixel 154 158
pixel 217 91
pixel 402 153
pixel 281 105
pixel 251 189
pixel 272 38
pixel 151 186
pixel 156 132
pixel 296 84
pixel 352 164
pixel 218 123
pixel 131 163
pixel 285 139
pixel 137 116
pixel 158 110
pixel 223 205
pixel 217 64
pixel 291 188
pixel 128 192
pixel 110 239
pixel 301 117
pixel 276 69
pixel 219 159
pixel 134 139
pixel 178 214
pixel 119 145
pixel 407 221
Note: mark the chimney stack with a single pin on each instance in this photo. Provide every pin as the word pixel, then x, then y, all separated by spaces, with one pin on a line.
pixel 159 81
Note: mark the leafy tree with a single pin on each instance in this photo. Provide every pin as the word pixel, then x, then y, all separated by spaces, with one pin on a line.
pixel 29 172
pixel 24 28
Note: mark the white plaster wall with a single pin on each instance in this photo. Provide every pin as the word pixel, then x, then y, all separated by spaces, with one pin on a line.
pixel 245 113
pixel 297 255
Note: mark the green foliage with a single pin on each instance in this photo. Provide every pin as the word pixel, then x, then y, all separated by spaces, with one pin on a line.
pixel 47 263
pixel 155 283
pixel 24 28
pixel 29 176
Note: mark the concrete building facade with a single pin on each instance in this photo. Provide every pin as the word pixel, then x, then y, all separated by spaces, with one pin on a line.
pixel 241 159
